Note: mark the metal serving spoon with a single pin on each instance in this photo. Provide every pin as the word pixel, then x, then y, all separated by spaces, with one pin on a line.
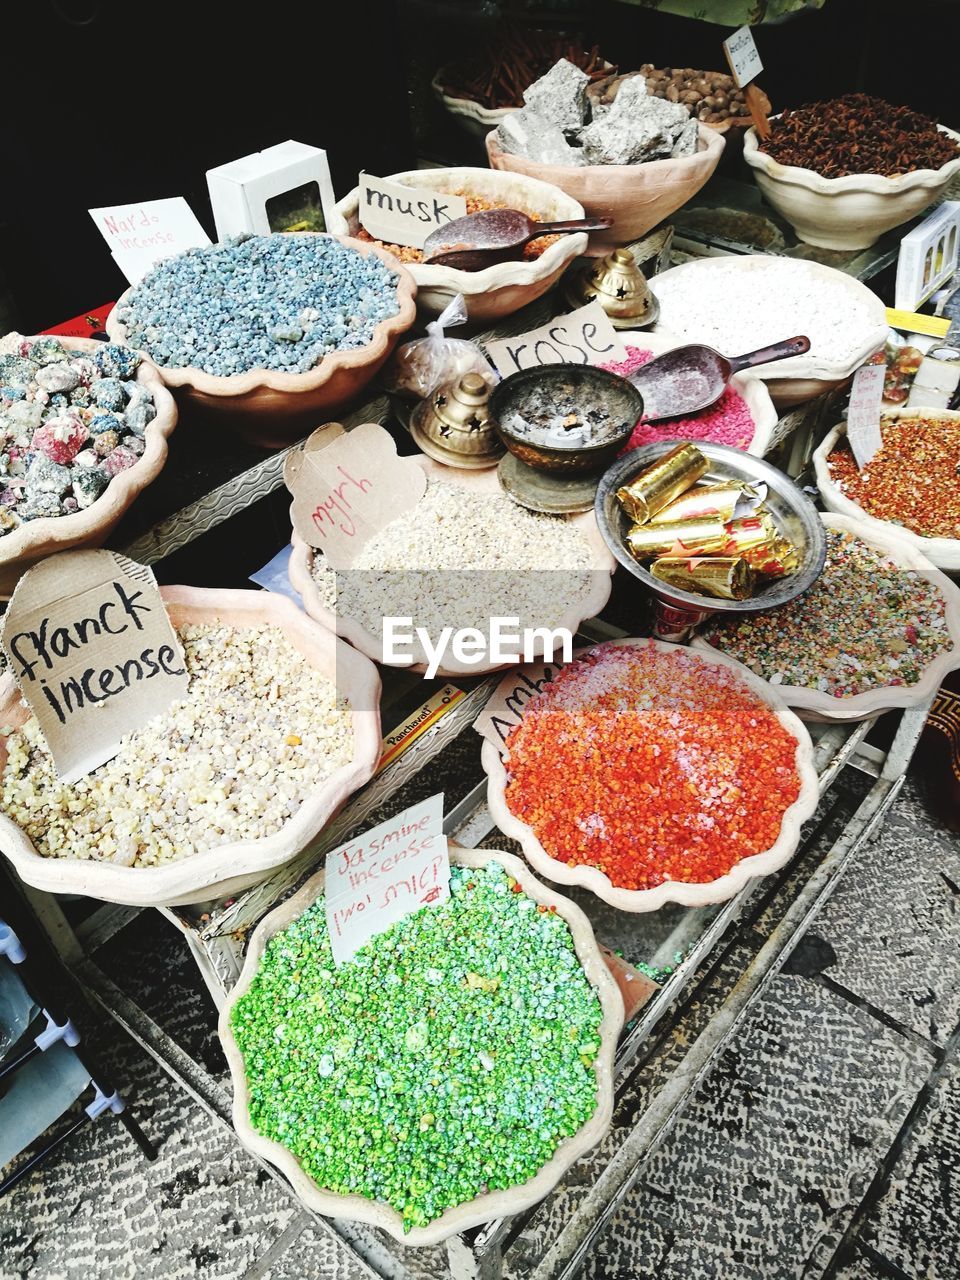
pixel 494 235
pixel 690 378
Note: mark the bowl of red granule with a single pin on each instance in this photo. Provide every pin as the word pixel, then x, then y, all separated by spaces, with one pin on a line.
pixel 910 486
pixel 744 417
pixel 650 774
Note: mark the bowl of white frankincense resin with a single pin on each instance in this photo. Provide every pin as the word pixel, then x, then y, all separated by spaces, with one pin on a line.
pixel 279 726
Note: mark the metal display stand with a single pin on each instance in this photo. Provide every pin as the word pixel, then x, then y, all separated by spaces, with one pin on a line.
pixel 216 933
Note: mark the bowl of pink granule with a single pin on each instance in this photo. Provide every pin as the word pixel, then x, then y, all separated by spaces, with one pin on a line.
pixel 743 418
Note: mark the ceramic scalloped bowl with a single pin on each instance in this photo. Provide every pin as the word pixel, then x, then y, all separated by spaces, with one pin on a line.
pixel 846 213
pixel 942 552
pixel 499 290
pixel 272 408
pixel 302 580
pixel 811 704
pixel 635 196
pixel 800 378
pixel 752 389
pixel 682 892
pixel 225 870
pixel 472 116
pixel 37 539
pixel 492 1204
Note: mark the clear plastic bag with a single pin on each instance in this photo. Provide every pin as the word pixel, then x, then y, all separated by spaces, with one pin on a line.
pixel 419 367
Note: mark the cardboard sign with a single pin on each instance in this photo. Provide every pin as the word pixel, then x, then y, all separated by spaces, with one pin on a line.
pixel 398 214
pixel 863 415
pixel 742 55
pixel 503 710
pixel 91 647
pixel 349 488
pixel 140 235
pixel 585 336
pixel 391 871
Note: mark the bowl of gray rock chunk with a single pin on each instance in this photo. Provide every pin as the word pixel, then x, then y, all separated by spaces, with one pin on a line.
pixel 636 163
pixel 270 331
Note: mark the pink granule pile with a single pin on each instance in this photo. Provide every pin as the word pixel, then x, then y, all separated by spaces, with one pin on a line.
pixel 726 422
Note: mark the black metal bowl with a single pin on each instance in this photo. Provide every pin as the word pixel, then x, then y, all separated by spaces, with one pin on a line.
pixel 793 512
pixel 616 404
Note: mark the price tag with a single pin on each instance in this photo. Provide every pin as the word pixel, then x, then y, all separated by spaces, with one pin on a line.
pixel 391 871
pixel 585 336
pixel 398 214
pixel 503 710
pixel 863 415
pixel 93 651
pixel 140 235
pixel 347 486
pixel 742 56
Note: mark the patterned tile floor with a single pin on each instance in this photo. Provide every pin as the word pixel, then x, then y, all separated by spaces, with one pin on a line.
pixel 824 1143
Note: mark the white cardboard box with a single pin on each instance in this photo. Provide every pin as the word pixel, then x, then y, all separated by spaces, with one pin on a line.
pixel 240 191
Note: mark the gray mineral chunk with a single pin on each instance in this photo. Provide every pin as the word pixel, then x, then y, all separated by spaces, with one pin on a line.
pixel 525 133
pixel 560 96
pixel 46 476
pixel 39 505
pixel 88 484
pixel 24 415
pixel 139 415
pixel 688 141
pixel 612 141
pixel 58 377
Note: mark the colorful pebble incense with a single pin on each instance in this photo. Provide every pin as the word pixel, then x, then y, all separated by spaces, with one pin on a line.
pixel 646 764
pixel 448 1060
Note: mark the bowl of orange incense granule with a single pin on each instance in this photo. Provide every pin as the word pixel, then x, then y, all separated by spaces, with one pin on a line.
pixel 649 774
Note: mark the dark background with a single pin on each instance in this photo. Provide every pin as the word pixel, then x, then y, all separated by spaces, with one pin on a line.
pixel 105 103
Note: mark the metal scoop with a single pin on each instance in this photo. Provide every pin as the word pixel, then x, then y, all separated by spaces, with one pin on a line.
pixel 693 377
pixel 494 235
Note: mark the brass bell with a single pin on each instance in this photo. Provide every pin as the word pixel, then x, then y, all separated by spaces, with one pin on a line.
pixel 621 288
pixel 452 425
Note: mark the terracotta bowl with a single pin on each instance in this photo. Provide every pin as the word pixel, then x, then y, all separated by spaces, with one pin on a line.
pixel 635 196
pixel 225 870
pixel 686 894
pixel 811 704
pixel 576 611
pixel 851 212
pixel 38 539
pixel 942 552
pixel 499 290
pixel 272 408
pixel 493 1204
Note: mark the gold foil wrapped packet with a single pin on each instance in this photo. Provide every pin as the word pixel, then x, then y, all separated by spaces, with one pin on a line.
pixel 721 577
pixel 658 485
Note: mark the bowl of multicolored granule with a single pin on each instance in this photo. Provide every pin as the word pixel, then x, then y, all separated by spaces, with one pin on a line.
pixel 84 429
pixel 448 1074
pixel 649 774
pixel 910 487
pixel 271 333
pixel 743 418
pixel 465 554
pixel 280 725
pixel 879 629
pixel 505 287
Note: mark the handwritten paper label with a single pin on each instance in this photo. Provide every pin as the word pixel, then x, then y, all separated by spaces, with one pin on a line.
pixel 140 235
pixel 94 653
pixel 585 336
pixel 742 55
pixel 350 488
pixel 863 415
pixel 391 871
pixel 399 214
pixel 503 710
